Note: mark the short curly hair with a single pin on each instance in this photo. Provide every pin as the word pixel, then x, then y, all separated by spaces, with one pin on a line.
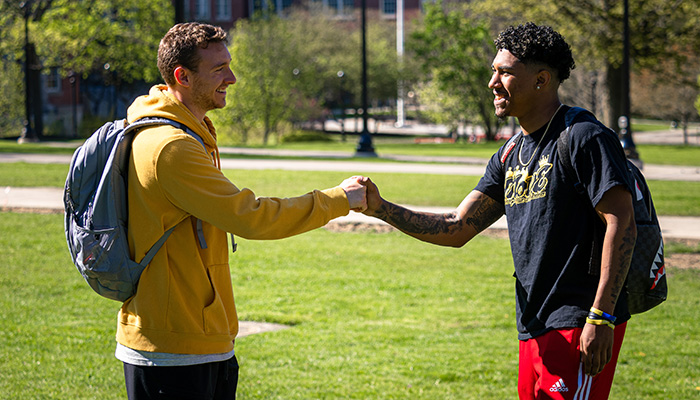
pixel 179 47
pixel 530 43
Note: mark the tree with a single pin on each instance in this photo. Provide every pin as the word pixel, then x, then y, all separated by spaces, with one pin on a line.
pixel 594 29
pixel 17 46
pixel 668 96
pixel 456 54
pixel 289 69
pixel 85 35
pixel 269 72
pixel 82 36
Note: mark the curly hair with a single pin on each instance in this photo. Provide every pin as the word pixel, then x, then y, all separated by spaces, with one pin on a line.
pixel 179 47
pixel 539 44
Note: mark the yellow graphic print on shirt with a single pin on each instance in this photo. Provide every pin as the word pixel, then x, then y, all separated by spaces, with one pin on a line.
pixel 521 188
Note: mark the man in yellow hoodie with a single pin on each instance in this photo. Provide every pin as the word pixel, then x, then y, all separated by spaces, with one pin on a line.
pixel 175 335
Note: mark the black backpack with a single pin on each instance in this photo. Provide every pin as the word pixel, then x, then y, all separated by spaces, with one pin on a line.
pixel 646 280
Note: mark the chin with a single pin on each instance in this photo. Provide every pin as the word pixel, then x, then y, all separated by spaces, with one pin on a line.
pixel 501 113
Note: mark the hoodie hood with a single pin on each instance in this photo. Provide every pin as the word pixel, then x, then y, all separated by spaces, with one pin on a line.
pixel 161 103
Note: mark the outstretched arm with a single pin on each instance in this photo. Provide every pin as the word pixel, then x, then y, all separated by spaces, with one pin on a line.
pixel 476 212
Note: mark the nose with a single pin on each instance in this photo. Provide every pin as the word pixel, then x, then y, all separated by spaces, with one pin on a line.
pixel 494 80
pixel 231 78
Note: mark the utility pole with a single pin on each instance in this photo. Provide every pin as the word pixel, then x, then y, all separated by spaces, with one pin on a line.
pixel 400 107
pixel 364 145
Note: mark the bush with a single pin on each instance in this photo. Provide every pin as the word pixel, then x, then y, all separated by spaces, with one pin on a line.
pixel 305 136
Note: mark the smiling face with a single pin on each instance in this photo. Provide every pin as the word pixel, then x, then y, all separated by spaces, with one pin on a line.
pixel 514 86
pixel 213 76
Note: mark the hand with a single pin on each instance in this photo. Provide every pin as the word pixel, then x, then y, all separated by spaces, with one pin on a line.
pixel 356 193
pixel 596 347
pixel 374 199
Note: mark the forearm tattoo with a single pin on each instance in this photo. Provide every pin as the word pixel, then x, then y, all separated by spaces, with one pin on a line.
pixel 625 257
pixel 418 222
pixel 486 212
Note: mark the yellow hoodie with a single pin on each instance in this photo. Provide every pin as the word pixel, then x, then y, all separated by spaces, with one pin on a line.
pixel 184 302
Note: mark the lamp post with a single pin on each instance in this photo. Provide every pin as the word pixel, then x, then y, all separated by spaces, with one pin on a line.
pixel 624 122
pixel 364 145
pixel 28 133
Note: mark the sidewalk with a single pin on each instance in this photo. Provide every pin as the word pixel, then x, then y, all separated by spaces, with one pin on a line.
pixel 50 199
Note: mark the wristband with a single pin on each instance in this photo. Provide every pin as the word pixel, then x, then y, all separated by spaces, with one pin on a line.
pixel 603 315
pixel 600 322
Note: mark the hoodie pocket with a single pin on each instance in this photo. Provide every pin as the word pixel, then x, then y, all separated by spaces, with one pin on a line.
pixel 219 317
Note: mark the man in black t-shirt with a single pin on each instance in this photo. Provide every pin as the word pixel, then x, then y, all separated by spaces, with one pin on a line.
pixel 571 310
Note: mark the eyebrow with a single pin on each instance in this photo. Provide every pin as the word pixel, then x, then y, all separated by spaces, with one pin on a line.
pixel 502 67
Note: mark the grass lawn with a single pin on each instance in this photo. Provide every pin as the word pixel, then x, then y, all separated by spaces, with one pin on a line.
pixel 374 316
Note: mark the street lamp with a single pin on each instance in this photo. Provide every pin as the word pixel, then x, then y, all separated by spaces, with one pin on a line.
pixel 624 122
pixel 364 145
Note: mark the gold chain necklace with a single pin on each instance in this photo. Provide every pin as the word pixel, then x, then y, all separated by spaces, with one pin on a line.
pixel 520 152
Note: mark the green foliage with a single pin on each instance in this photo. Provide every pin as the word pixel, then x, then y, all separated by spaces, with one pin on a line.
pixel 660 30
pixel 456 52
pixel 306 136
pixel 290 69
pixel 118 36
pixel 11 98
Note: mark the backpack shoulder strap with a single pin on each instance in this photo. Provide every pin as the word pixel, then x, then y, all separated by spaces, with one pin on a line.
pixel 509 146
pixel 564 145
pixel 564 152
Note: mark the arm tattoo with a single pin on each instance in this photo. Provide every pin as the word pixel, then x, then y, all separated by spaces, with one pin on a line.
pixel 418 222
pixel 625 253
pixel 486 213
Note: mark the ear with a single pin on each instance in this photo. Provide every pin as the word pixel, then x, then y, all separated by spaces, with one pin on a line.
pixel 182 76
pixel 544 78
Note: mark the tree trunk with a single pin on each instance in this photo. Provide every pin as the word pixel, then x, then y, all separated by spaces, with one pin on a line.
pixel 613 77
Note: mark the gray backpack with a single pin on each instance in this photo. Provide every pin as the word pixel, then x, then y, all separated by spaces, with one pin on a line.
pixel 96 215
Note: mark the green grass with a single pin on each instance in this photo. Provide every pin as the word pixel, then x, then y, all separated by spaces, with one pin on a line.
pixel 670 197
pixel 375 316
pixel 669 154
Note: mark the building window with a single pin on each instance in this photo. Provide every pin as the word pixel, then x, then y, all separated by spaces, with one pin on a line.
pixel 388 7
pixel 223 10
pixel 348 6
pixel 202 9
pixel 53 81
pixel 277 6
pixel 338 7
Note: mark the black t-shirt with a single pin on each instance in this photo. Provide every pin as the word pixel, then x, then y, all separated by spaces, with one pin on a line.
pixel 551 226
